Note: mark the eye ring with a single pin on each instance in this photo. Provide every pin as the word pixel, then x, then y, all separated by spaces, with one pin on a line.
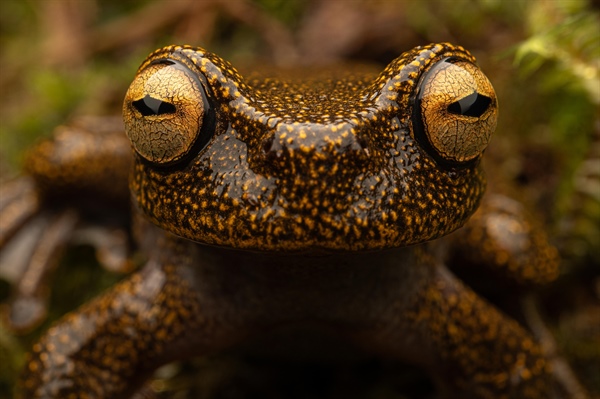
pixel 455 111
pixel 167 113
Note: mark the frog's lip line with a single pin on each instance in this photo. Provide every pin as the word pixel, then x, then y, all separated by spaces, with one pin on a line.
pixel 308 252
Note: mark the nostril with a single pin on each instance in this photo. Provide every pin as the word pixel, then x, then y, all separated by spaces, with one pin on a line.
pixel 363 144
pixel 267 144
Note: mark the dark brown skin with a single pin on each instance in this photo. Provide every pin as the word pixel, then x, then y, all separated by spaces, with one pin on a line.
pixel 314 202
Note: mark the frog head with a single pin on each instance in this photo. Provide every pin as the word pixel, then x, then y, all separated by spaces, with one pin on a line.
pixel 341 161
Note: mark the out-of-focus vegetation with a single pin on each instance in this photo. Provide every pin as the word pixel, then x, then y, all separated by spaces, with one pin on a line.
pixel 562 53
pixel 61 58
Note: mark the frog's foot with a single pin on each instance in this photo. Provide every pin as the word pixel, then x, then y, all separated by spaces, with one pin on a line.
pixel 112 246
pixel 32 241
pixel 76 178
pixel 35 250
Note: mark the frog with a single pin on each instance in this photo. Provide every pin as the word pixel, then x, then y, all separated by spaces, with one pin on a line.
pixel 264 203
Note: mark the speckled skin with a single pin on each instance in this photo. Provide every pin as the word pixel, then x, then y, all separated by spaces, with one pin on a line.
pixel 329 184
pixel 288 171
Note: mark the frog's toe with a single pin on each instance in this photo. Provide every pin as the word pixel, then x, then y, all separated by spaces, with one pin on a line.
pixel 32 243
pixel 19 202
pixel 31 256
pixel 561 370
pixel 25 313
pixel 112 245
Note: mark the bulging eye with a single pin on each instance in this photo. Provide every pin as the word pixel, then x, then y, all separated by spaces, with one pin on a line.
pixel 457 110
pixel 164 112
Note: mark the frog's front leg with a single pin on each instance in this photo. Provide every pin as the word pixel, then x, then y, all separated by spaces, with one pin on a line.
pixel 478 350
pixel 505 241
pixel 108 347
pixel 469 347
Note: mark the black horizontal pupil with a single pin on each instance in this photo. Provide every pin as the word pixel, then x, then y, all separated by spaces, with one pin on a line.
pixel 153 106
pixel 472 105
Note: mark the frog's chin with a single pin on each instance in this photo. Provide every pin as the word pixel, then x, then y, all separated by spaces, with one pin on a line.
pixel 284 235
pixel 418 214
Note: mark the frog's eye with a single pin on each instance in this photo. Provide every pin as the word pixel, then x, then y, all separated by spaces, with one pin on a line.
pixel 164 111
pixel 456 110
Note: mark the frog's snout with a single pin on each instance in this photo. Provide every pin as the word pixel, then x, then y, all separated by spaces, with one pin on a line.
pixel 317 150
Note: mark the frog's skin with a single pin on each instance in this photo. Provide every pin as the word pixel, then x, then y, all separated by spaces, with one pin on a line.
pixel 268 203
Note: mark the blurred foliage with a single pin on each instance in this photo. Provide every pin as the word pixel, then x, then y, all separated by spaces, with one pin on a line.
pixel 63 58
pixel 563 53
pixel 564 48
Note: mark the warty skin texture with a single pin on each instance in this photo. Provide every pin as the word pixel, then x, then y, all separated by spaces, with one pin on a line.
pixel 313 201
